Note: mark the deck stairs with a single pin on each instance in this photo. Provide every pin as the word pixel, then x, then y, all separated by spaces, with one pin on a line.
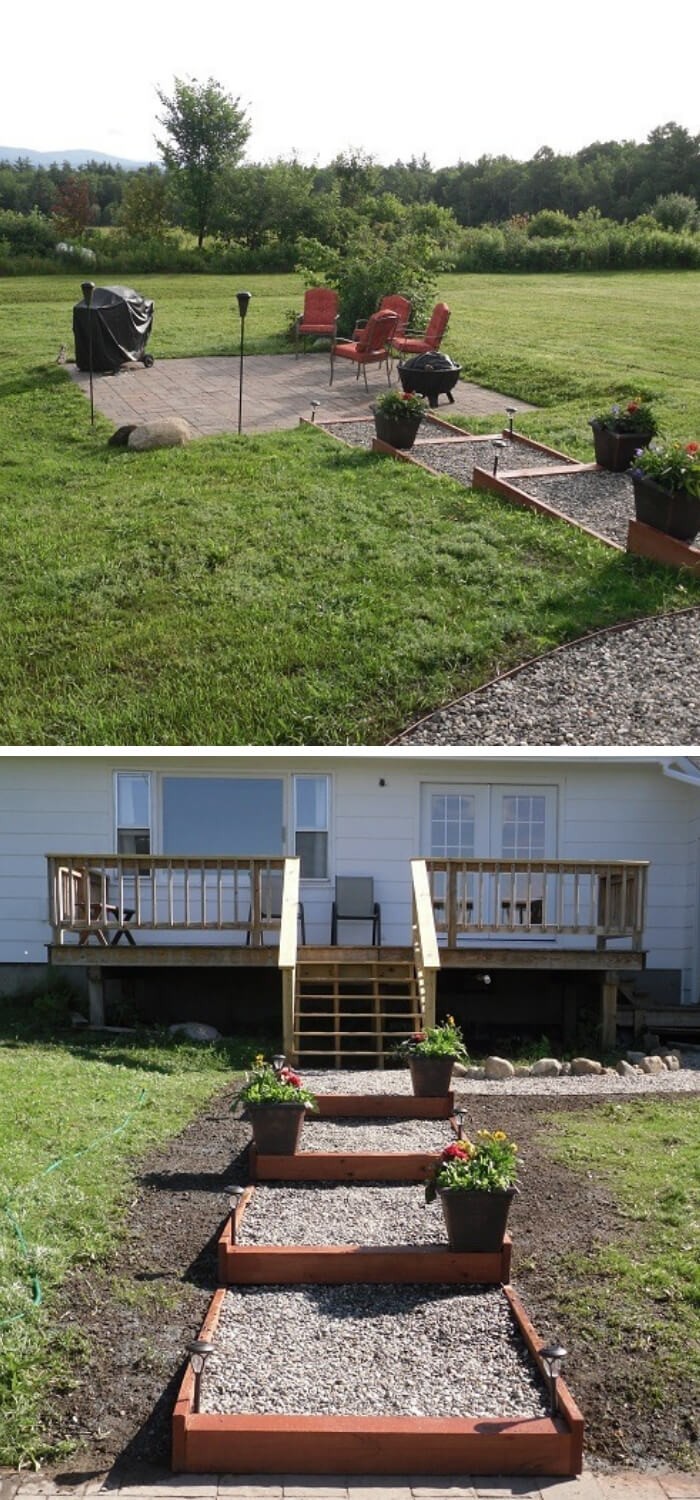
pixel 352 1007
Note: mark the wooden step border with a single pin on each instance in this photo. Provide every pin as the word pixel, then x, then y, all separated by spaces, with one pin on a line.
pixel 334 1265
pixel 248 1443
pixel 385 1106
pixel 342 1166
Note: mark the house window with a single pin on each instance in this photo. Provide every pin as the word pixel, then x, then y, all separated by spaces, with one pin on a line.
pixel 311 802
pixel 523 827
pixel 223 815
pixel 133 812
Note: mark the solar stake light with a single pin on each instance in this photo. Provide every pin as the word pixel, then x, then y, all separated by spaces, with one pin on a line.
pixel 511 413
pixel 242 298
pixel 553 1356
pixel 278 1062
pixel 459 1122
pixel 498 447
pixel 235 1195
pixel 199 1351
pixel 314 408
pixel 87 288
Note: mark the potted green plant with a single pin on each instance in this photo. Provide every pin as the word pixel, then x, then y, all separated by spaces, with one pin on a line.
pixel 431 1057
pixel 476 1183
pixel 620 431
pixel 397 417
pixel 666 481
pixel 275 1103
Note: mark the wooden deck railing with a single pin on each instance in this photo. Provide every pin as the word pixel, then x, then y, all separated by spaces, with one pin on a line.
pixel 287 959
pixel 112 897
pixel 547 898
pixel 425 946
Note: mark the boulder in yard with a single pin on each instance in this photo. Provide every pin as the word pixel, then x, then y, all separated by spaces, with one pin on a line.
pixel 626 1069
pixel 195 1031
pixel 546 1067
pixel 498 1067
pixel 653 1065
pixel 164 432
pixel 583 1066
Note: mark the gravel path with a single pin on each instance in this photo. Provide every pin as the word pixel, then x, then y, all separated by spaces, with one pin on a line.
pixel 330 1213
pixel 635 686
pixel 372 1135
pixel 433 1351
pixel 361 434
pixel 599 499
pixel 686 1080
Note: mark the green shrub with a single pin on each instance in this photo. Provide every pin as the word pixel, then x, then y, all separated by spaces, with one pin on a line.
pixel 27 234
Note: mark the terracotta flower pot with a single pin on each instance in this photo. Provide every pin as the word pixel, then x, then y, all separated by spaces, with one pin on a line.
pixel 276 1127
pixel 475 1221
pixel 673 511
pixel 398 432
pixel 430 1076
pixel 616 450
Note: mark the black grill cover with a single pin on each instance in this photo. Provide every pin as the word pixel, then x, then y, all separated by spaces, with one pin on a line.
pixel 121 323
pixel 430 361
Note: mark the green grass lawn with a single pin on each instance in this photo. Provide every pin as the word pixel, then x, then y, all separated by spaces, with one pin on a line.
pixel 642 1293
pixel 283 589
pixel 74 1113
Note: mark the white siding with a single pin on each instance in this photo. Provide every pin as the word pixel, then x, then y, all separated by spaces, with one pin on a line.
pixel 605 811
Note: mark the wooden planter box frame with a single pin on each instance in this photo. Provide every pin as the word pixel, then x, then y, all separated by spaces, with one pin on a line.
pixel 289 1265
pixel 383 1107
pixel 647 541
pixel 242 1443
pixel 343 1166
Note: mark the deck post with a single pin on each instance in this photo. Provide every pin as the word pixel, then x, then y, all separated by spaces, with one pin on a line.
pixel 608 1014
pixel 96 995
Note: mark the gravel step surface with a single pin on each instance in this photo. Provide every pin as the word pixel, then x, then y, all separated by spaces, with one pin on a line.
pixel 459 460
pixel 600 500
pixel 329 1213
pixel 361 434
pixel 636 686
pixel 438 1351
pixel 358 1080
pixel 375 1135
pixel 686 1080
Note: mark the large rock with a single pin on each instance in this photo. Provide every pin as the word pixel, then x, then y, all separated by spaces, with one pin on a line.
pixel 195 1031
pixel 165 432
pixel 626 1069
pixel 671 1061
pixel 472 1072
pixel 634 1057
pixel 522 1070
pixel 546 1067
pixel 583 1066
pixel 653 1065
pixel 498 1067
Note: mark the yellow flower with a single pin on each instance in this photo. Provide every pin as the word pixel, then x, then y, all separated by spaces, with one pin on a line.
pixel 500 1135
pixel 485 1134
pixel 451 1021
pixel 258 1060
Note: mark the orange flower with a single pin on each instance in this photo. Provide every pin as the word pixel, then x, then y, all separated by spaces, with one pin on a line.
pixel 692 448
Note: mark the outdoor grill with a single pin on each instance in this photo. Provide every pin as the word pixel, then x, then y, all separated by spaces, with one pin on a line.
pixel 113 330
pixel 430 375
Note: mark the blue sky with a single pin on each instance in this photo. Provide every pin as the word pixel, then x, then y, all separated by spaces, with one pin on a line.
pixel 454 81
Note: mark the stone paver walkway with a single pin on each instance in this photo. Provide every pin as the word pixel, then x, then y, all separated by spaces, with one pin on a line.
pixel 625 1484
pixel 277 390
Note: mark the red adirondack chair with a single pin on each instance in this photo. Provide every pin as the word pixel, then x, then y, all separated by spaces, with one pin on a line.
pixel 319 320
pixel 371 348
pixel 393 303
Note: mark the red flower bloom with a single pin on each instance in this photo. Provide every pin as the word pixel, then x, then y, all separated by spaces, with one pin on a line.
pixel 455 1148
pixel 692 448
pixel 633 406
pixel 418 1036
pixel 289 1076
pixel 406 395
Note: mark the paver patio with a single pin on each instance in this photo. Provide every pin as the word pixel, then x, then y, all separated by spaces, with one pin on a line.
pixel 165 1486
pixel 277 390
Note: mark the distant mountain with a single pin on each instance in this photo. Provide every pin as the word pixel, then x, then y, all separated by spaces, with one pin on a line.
pixel 74 158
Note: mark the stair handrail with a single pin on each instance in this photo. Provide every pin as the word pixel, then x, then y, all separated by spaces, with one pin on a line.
pixel 425 945
pixel 287 952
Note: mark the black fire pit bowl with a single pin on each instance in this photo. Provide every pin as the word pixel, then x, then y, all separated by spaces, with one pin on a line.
pixel 430 375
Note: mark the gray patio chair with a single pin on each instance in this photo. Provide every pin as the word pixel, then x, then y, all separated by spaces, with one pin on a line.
pixel 354 902
pixel 271 883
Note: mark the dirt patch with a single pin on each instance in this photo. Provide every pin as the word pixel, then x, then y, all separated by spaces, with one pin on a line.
pixel 138 1312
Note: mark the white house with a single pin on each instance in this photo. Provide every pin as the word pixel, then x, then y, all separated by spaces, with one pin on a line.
pixel 510 885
